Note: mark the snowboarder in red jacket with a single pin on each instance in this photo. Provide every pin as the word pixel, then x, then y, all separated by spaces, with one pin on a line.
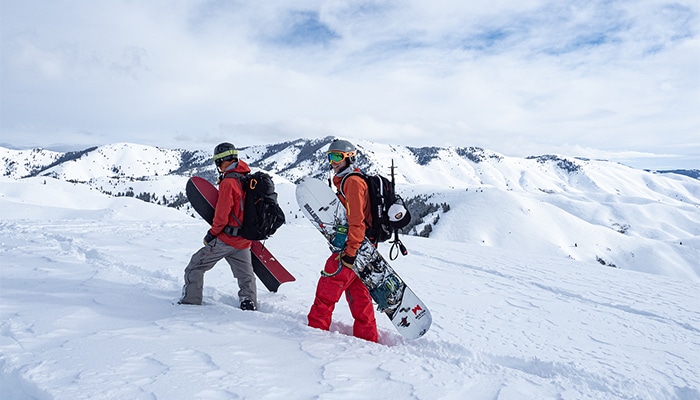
pixel 217 243
pixel 338 276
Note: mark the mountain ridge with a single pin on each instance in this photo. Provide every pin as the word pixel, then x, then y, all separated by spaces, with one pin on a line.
pixel 37 160
pixel 576 207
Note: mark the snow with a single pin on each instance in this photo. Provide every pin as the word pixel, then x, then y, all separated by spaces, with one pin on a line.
pixel 21 162
pixel 89 283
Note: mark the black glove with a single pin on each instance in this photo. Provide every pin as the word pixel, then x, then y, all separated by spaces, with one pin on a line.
pixel 347 260
pixel 208 238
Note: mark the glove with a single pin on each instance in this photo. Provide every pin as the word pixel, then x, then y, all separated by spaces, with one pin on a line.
pixel 347 260
pixel 208 238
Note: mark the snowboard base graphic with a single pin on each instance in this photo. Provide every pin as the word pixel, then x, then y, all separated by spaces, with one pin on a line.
pixel 394 298
pixel 203 197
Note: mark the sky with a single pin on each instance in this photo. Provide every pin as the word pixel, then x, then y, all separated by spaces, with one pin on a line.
pixel 603 79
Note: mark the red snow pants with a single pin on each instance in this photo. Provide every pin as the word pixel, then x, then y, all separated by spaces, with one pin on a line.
pixel 328 292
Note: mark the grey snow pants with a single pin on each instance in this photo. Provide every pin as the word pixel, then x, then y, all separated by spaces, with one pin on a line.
pixel 205 259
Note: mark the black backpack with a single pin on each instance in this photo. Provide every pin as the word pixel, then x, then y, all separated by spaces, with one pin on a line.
pixel 262 215
pixel 388 211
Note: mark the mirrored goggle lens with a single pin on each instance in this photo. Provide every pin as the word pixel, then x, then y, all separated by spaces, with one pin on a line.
pixel 336 157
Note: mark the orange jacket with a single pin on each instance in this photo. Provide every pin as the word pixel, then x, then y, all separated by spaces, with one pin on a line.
pixel 357 207
pixel 229 208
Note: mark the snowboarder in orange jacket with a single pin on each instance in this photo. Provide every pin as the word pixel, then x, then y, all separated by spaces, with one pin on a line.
pixel 338 276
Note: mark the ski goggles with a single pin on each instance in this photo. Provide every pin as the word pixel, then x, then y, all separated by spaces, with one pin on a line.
pixel 338 156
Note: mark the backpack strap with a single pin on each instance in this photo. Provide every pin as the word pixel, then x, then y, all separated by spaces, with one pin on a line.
pixel 231 174
pixel 230 229
pixel 363 176
pixel 342 182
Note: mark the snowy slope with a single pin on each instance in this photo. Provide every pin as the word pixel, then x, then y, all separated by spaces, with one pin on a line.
pixel 20 163
pixel 88 284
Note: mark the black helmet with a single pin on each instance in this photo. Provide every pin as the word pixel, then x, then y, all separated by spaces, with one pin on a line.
pixel 344 148
pixel 225 152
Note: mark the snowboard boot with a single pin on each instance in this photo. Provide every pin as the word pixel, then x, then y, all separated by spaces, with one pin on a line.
pixel 248 305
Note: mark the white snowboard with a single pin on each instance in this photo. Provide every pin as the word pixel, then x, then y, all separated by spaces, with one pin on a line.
pixel 394 298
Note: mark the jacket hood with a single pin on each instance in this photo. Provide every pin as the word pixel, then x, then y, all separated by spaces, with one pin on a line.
pixel 240 167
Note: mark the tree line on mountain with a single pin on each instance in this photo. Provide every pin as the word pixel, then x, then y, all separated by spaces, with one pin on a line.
pixel 177 201
pixel 420 207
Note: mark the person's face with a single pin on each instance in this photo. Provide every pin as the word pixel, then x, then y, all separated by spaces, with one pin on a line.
pixel 224 165
pixel 338 160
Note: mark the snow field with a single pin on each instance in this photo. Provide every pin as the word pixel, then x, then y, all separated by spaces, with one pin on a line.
pixel 88 286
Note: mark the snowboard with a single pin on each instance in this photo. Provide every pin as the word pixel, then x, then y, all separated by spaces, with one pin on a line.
pixel 394 298
pixel 203 197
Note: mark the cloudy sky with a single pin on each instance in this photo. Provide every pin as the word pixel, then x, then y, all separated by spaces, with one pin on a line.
pixel 611 79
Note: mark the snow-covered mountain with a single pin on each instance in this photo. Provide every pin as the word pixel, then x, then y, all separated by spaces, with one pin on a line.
pixel 586 210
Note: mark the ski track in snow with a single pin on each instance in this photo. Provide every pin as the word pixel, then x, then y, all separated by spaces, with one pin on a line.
pixel 87 312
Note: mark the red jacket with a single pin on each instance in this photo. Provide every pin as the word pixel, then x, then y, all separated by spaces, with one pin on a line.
pixel 357 206
pixel 229 208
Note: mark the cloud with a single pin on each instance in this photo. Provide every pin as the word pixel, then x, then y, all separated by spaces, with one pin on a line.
pixel 512 76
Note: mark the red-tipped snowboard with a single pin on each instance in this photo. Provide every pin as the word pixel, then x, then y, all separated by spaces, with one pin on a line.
pixel 203 197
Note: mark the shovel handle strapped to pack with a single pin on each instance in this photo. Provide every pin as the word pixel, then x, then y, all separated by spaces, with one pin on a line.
pixel 396 244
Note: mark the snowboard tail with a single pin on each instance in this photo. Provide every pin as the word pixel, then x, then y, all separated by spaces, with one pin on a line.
pixel 268 269
pixel 203 197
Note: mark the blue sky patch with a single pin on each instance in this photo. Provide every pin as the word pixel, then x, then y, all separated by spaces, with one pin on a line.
pixel 305 29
